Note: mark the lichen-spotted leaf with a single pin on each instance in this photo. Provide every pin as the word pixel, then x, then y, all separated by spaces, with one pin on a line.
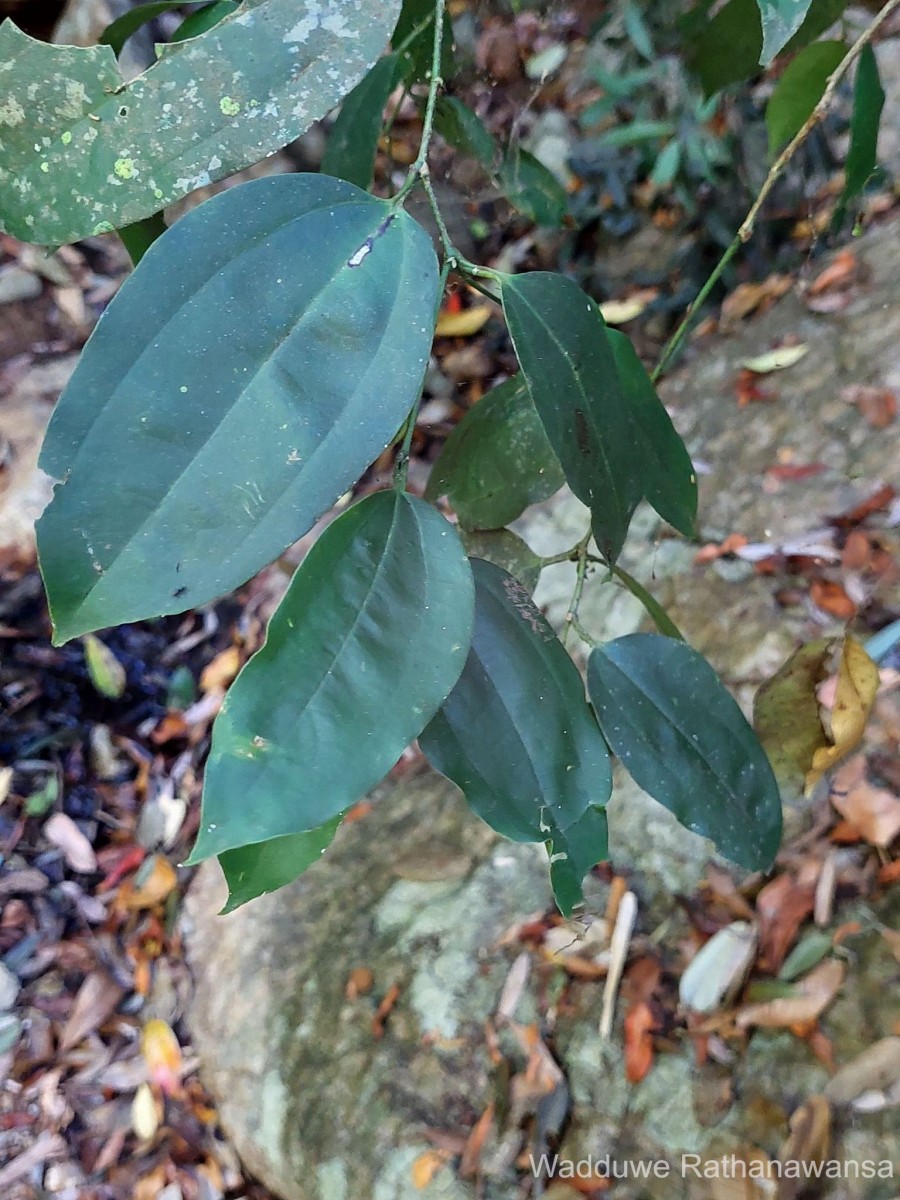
pixel 267 348
pixel 366 644
pixel 516 734
pixel 684 740
pixel 88 152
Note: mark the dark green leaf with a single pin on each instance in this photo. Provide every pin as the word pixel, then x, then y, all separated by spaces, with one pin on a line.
pixel 612 436
pixel 139 237
pixel 414 39
pixel 504 549
pixel 780 21
pixel 685 741
pixel 727 48
pixel 465 131
pixel 369 639
pixel 516 734
pixel 268 347
pixel 350 152
pixel 497 460
pixel 531 188
pixel 862 157
pixel 573 855
pixel 204 19
pixel 110 153
pixel 117 33
pixel 799 90
pixel 256 870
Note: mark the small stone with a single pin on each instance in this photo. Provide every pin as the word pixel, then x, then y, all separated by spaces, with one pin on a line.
pixel 17 284
pixel 9 988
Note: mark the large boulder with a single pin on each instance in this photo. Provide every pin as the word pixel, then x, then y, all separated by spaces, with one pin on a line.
pixel 326 1100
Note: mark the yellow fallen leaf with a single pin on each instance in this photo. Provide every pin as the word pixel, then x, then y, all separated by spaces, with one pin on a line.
pixel 857 683
pixel 426 1166
pixel 152 884
pixel 775 360
pixel 146 1113
pixel 464 323
pixel 617 312
pixel 220 672
pixel 162 1054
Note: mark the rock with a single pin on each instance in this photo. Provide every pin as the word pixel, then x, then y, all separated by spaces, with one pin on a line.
pixel 9 988
pixel 422 895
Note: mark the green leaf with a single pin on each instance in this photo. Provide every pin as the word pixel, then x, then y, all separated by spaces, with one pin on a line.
pixel 497 460
pixel 504 549
pixel 685 741
pixel 369 639
pixel 256 870
pixel 109 154
pixel 655 610
pixel 612 436
pixel 106 672
pixel 574 854
pixel 635 132
pixel 350 152
pixel 413 38
pixel 806 955
pixel 265 351
pixel 139 237
pixel 727 48
pixel 799 90
pixel 531 188
pixel 780 21
pixel 204 19
pixel 117 33
pixel 465 131
pixel 516 734
pixel 786 714
pixel 862 156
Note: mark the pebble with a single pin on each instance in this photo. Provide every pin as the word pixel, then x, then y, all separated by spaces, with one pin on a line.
pixel 17 284
pixel 9 988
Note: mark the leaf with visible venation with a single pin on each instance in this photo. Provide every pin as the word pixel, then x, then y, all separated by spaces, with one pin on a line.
pixel 532 188
pixel 366 644
pixel 780 21
pixel 464 130
pixel 350 152
pixel 89 152
pixel 799 90
pixel 685 741
pixel 518 737
pixel 413 39
pixel 727 48
pixel 266 350
pixel 256 870
pixel 857 687
pixel 786 714
pixel 504 549
pixel 612 436
pixel 862 156
pixel 497 460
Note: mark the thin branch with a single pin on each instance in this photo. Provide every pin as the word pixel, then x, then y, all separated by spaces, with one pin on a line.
pixel 419 168
pixel 745 232
pixel 580 553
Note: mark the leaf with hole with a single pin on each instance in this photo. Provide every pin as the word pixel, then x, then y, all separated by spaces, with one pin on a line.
pixel 366 644
pixel 266 350
pixel 256 870
pixel 613 438
pixel 497 460
pixel 350 151
pixel 684 740
pixel 90 152
pixel 517 735
pixel 799 90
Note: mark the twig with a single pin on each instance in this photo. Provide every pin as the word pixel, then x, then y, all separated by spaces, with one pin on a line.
pixel 745 232
pixel 580 554
pixel 419 168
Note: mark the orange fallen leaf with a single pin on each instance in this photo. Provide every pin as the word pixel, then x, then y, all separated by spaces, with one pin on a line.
pixel 359 982
pixel 470 1163
pixel 391 996
pixel 811 997
pixel 874 811
pixel 857 551
pixel 889 873
pixel 782 906
pixel 639 1025
pixel 790 472
pixel 155 880
pixel 162 1054
pixel 839 273
pixel 464 323
pixel 218 674
pixel 877 405
pixel 748 297
pixel 426 1166
pixel 832 598
pixel 879 499
pixel 857 684
pixel 748 390
pixel 713 550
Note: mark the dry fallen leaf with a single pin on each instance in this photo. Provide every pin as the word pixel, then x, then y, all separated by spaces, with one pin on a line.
pixel 465 323
pixel 162 1054
pixel 146 1113
pixel 618 312
pixel 782 906
pixel 857 684
pixel 877 405
pixel 876 1068
pixel 808 1142
pixel 470 1163
pixel 874 811
pixel 832 598
pixel 639 1026
pixel 716 972
pixel 95 1002
pixel 748 297
pixel 155 880
pixel 839 273
pixel 221 671
pixel 426 1166
pixel 812 996
pixel 61 831
pixel 775 360
pixel 360 982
